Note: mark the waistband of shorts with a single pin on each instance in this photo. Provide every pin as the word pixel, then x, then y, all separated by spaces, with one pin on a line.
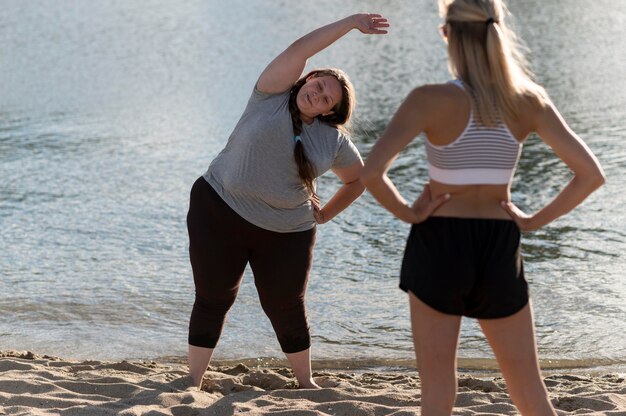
pixel 470 219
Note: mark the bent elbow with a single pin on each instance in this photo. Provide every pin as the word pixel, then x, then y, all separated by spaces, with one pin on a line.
pixel 369 176
pixel 594 180
pixel 357 187
pixel 360 188
pixel 599 178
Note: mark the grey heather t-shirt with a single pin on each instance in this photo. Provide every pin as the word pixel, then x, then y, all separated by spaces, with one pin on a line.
pixel 256 174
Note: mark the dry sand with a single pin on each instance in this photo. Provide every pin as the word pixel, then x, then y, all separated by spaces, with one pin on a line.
pixel 41 385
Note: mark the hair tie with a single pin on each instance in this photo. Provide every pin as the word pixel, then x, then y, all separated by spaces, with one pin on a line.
pixel 296 139
pixel 490 21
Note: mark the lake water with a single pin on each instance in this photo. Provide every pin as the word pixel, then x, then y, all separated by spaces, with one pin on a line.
pixel 110 110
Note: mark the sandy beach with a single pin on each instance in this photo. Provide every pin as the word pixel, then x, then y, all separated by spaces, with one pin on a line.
pixel 32 384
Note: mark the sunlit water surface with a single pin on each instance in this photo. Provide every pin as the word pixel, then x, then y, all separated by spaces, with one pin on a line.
pixel 110 110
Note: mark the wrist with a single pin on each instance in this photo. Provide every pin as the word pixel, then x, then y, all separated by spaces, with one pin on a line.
pixel 533 223
pixel 407 214
pixel 352 21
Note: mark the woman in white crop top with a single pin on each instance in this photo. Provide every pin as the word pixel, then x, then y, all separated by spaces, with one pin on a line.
pixel 464 258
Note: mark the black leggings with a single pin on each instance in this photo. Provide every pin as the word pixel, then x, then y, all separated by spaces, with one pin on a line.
pixel 221 243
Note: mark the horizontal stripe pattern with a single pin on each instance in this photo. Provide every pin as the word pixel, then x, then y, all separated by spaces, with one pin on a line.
pixel 490 150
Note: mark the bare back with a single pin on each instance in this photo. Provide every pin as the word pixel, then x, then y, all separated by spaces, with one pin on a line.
pixel 451 111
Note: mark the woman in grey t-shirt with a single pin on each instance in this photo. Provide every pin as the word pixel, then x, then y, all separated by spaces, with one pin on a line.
pixel 257 203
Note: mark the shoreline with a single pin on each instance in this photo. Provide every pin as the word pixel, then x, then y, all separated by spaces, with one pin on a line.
pixel 487 366
pixel 32 384
pixel 479 368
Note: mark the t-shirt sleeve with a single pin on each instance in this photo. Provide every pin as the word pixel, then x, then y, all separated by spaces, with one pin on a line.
pixel 258 96
pixel 347 153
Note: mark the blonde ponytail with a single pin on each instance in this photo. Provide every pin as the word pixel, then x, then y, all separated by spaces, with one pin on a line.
pixel 486 55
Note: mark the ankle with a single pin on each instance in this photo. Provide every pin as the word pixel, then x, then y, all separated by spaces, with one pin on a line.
pixel 308 384
pixel 196 379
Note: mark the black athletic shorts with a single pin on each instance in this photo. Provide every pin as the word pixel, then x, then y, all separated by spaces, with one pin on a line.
pixel 465 266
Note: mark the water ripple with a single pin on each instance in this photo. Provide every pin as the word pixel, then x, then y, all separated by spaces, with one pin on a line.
pixel 110 111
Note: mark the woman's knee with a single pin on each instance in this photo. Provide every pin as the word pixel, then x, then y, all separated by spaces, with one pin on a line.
pixel 207 320
pixel 215 303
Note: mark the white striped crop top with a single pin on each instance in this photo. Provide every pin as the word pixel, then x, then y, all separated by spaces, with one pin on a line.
pixel 480 155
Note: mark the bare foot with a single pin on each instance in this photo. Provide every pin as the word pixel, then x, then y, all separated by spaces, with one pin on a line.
pixel 183 383
pixel 309 384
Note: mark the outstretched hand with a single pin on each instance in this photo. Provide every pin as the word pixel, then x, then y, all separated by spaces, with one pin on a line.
pixel 424 205
pixel 370 24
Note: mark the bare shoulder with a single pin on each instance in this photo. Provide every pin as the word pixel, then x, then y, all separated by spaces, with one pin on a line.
pixel 439 91
pixel 438 97
pixel 533 108
pixel 439 104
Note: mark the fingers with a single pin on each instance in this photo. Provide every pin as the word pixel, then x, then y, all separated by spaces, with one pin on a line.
pixel 379 21
pixel 375 24
pixel 437 202
pixel 523 221
pixel 424 205
pixel 319 216
pixel 509 208
pixel 433 204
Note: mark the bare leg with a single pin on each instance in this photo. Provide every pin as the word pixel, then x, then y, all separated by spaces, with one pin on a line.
pixel 199 359
pixel 435 336
pixel 513 342
pixel 301 365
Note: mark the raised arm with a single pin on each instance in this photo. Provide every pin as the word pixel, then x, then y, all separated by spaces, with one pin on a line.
pixel 286 68
pixel 588 174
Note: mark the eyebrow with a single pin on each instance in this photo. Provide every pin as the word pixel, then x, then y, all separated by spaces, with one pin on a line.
pixel 328 95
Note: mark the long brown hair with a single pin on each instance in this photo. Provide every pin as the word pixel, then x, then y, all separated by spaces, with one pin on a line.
pixel 486 55
pixel 338 119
